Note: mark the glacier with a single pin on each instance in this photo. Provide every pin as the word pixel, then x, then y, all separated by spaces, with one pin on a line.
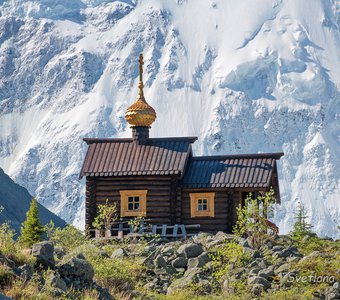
pixel 244 76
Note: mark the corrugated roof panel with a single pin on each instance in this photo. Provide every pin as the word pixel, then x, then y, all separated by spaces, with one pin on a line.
pixel 253 170
pixel 117 157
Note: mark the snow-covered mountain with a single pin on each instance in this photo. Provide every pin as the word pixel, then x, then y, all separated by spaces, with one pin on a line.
pixel 244 76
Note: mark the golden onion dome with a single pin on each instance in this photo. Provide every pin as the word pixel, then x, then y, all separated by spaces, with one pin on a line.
pixel 140 113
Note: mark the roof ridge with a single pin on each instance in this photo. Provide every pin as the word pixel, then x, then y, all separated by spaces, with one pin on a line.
pixel 191 139
pixel 276 155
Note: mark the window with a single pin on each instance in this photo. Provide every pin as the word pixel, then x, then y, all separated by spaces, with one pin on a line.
pixel 133 203
pixel 245 195
pixel 202 205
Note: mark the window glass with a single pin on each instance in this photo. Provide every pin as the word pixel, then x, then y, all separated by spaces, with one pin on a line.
pixel 133 203
pixel 202 204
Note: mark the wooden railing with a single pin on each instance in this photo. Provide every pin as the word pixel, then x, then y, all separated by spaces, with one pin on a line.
pixel 121 229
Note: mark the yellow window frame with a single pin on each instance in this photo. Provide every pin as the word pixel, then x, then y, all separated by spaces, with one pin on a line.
pixel 194 199
pixel 124 199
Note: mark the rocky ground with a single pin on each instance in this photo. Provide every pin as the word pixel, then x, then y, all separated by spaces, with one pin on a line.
pixel 201 264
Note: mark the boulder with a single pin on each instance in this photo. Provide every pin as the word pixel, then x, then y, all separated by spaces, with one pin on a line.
pixel 26 272
pixel 179 262
pixel 77 268
pixel 336 286
pixel 169 250
pixel 43 252
pixel 282 269
pixel 118 253
pixel 59 252
pixel 334 295
pixel 54 281
pixel 7 262
pixel 257 280
pixel 257 290
pixel 190 250
pixel 187 280
pixel 160 262
pixel 195 262
pixel 267 273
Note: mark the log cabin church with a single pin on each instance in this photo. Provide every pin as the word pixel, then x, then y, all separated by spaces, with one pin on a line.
pixel 162 180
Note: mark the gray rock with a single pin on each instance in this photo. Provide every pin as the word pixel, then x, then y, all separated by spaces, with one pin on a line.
pixel 160 262
pixel 43 252
pixel 257 290
pixel 169 250
pixel 214 243
pixel 267 273
pixel 179 262
pixel 118 253
pixel 195 262
pixel 293 259
pixel 259 281
pixel 54 281
pixel 180 270
pixel 26 272
pixel 254 271
pixel 170 270
pixel 59 252
pixel 190 277
pixel 261 263
pixel 150 286
pixel 277 248
pixel 333 296
pixel 252 253
pixel 282 269
pixel 290 251
pixel 190 250
pixel 77 268
pixel 6 261
pixel 336 286
pixel 204 257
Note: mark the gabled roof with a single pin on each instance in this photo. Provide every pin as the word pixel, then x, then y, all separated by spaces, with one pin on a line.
pixel 230 171
pixel 122 157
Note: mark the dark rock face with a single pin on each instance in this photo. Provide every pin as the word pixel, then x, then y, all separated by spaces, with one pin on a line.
pixel 43 252
pixel 77 268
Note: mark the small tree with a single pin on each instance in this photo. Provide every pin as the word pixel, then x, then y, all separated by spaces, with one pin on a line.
pixel 252 219
pixel 31 229
pixel 106 216
pixel 301 226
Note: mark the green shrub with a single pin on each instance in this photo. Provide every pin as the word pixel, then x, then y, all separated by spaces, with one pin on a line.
pixel 227 256
pixel 106 216
pixel 7 243
pixel 252 219
pixel 69 237
pixel 116 273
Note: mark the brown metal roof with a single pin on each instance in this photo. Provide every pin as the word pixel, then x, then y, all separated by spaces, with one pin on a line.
pixel 122 157
pixel 232 171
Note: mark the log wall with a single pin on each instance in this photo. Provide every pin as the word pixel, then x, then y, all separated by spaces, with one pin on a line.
pixel 161 202
pixel 224 210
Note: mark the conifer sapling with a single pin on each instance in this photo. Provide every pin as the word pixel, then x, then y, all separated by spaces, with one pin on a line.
pixel 32 229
